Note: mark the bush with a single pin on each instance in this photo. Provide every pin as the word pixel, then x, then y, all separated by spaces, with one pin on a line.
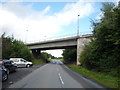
pixel 37 61
pixel 20 50
pixel 103 52
pixel 15 48
pixel 44 56
pixel 69 55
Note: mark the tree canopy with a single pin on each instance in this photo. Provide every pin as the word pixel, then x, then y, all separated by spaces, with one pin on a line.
pixel 14 48
pixel 103 52
pixel 69 55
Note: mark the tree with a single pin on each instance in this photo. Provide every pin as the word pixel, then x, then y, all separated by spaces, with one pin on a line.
pixel 53 57
pixel 14 48
pixel 20 50
pixel 69 55
pixel 6 47
pixel 45 56
pixel 102 54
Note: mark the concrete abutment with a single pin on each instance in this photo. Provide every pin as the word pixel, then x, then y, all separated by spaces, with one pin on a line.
pixel 80 46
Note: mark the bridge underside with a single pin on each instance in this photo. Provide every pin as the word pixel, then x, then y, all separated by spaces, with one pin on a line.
pixel 52 48
pixel 36 52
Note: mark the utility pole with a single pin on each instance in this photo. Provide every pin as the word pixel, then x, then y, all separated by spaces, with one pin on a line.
pixel 78 26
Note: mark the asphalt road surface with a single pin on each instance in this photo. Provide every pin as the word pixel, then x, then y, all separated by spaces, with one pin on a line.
pixel 55 76
pixel 19 74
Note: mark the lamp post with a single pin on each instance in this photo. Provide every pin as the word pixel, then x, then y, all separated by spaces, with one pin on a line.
pixel 78 26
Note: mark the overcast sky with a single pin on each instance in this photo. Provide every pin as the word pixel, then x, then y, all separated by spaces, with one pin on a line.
pixel 35 21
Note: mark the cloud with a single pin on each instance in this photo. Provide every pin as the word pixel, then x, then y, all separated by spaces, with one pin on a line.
pixel 18 9
pixel 27 24
pixel 70 12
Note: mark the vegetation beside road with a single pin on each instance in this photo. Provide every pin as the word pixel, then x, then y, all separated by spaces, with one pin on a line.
pixel 69 55
pixel 102 54
pixel 105 79
pixel 37 61
pixel 101 57
pixel 14 48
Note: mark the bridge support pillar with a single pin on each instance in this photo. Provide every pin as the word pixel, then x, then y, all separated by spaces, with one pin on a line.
pixel 80 45
pixel 79 50
pixel 36 53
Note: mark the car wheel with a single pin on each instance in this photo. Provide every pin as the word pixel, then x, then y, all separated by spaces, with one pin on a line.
pixel 5 77
pixel 28 65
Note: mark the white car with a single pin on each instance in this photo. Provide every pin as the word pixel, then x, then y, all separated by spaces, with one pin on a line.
pixel 20 62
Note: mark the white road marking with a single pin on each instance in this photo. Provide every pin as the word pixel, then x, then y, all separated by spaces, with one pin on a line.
pixel 60 76
pixel 61 79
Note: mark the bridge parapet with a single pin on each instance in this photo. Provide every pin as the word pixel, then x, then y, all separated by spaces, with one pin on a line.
pixel 61 39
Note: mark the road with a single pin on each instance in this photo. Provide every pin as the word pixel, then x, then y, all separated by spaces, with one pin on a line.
pixel 55 76
pixel 19 74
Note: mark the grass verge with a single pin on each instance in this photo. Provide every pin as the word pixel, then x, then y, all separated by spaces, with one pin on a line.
pixel 107 80
pixel 37 61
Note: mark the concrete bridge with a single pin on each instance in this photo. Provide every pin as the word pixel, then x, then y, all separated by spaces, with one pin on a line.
pixel 63 43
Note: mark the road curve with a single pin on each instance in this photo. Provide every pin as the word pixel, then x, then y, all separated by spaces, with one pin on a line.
pixel 54 76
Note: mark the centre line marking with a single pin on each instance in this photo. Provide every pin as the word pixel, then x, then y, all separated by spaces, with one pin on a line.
pixel 61 79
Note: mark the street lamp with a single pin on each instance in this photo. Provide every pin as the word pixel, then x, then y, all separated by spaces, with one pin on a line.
pixel 78 26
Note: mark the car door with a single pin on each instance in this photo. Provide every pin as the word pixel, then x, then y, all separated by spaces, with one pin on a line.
pixel 22 62
pixel 17 62
pixel 25 62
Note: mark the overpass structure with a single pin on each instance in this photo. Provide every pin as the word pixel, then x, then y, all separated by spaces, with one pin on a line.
pixel 62 43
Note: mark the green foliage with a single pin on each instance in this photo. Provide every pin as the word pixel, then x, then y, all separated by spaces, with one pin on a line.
pixel 14 48
pixel 59 58
pixel 44 56
pixel 103 52
pixel 69 55
pixel 20 50
pixel 105 79
pixel 53 57
pixel 6 47
pixel 37 61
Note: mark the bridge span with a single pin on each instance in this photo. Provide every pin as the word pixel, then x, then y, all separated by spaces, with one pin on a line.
pixel 62 43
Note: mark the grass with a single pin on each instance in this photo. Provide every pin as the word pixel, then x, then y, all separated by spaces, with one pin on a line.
pixel 37 61
pixel 107 80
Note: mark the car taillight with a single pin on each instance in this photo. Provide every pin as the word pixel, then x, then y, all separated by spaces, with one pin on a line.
pixel 2 62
